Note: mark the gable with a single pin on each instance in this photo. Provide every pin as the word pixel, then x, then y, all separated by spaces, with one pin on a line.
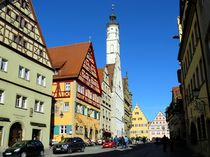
pixel 20 31
pixel 88 73
pixel 137 112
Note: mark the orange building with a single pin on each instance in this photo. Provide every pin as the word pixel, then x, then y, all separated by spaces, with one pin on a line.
pixel 76 91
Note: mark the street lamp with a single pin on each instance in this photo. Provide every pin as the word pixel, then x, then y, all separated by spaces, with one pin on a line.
pixel 198 101
pixel 61 114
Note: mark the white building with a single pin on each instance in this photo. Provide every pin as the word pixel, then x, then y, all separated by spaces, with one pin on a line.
pixel 158 127
pixel 114 68
pixel 105 105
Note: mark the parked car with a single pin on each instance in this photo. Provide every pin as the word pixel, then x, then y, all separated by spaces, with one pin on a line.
pixel 25 148
pixel 68 145
pixel 109 144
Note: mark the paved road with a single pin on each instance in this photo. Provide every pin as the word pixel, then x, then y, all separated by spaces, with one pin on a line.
pixel 147 150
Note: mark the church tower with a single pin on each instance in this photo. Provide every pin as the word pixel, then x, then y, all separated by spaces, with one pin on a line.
pixel 114 69
pixel 112 39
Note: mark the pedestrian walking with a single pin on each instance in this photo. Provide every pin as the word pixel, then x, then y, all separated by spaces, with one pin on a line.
pixel 126 142
pixel 164 141
pixel 144 140
pixel 123 142
pixel 116 140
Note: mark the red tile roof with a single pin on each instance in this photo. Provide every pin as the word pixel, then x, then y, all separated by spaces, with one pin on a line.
pixel 69 59
pixel 110 68
pixel 101 74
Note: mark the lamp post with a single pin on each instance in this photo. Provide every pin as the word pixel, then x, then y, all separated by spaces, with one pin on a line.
pixel 198 101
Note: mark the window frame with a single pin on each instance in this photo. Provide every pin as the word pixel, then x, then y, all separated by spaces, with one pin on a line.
pixel 39 106
pixel 2 95
pixel 3 64
pixel 21 101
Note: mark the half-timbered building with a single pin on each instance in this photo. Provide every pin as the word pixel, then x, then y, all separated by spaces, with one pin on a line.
pixel 25 75
pixel 76 90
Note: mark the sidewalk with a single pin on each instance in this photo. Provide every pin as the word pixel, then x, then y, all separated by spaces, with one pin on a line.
pixel 178 151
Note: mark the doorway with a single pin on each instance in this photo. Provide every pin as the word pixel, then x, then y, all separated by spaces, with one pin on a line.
pixel 15 134
pixel 36 134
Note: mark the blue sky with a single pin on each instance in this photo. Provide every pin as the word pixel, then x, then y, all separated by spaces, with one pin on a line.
pixel 148 52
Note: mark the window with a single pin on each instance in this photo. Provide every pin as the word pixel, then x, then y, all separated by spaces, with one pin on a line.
pixel 18 39
pixel 3 64
pixel 1 96
pixel 136 113
pixel 140 118
pixel 41 80
pixel 67 86
pixel 63 129
pixel 39 106
pixel 22 22
pixel 24 73
pixel 24 4
pixel 21 101
pixel 32 28
pixel 8 11
pixel 66 107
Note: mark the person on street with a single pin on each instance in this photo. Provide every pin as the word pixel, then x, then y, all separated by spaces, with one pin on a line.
pixel 126 142
pixel 164 141
pixel 116 140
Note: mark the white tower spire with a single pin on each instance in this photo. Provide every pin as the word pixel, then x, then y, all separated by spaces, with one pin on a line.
pixel 112 39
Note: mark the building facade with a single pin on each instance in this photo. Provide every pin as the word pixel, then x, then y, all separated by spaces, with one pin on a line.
pixel 139 123
pixel 175 116
pixel 159 127
pixel 105 104
pixel 76 90
pixel 194 72
pixel 114 69
pixel 25 76
pixel 127 106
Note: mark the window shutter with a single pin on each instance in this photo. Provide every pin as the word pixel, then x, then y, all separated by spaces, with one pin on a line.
pixel 56 130
pixel 69 129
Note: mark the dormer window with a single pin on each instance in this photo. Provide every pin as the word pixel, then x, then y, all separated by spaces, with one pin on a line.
pixel 55 72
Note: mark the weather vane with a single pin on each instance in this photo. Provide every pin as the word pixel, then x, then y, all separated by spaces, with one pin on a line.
pixel 113 5
pixel 89 39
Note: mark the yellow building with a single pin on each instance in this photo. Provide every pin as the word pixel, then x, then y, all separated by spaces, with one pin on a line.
pixel 139 123
pixel 76 90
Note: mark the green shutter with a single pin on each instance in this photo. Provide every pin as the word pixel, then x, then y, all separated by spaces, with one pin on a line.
pixel 95 114
pixel 69 129
pixel 56 130
pixel 83 110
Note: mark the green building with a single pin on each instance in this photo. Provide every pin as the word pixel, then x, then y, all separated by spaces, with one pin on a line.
pixel 25 76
